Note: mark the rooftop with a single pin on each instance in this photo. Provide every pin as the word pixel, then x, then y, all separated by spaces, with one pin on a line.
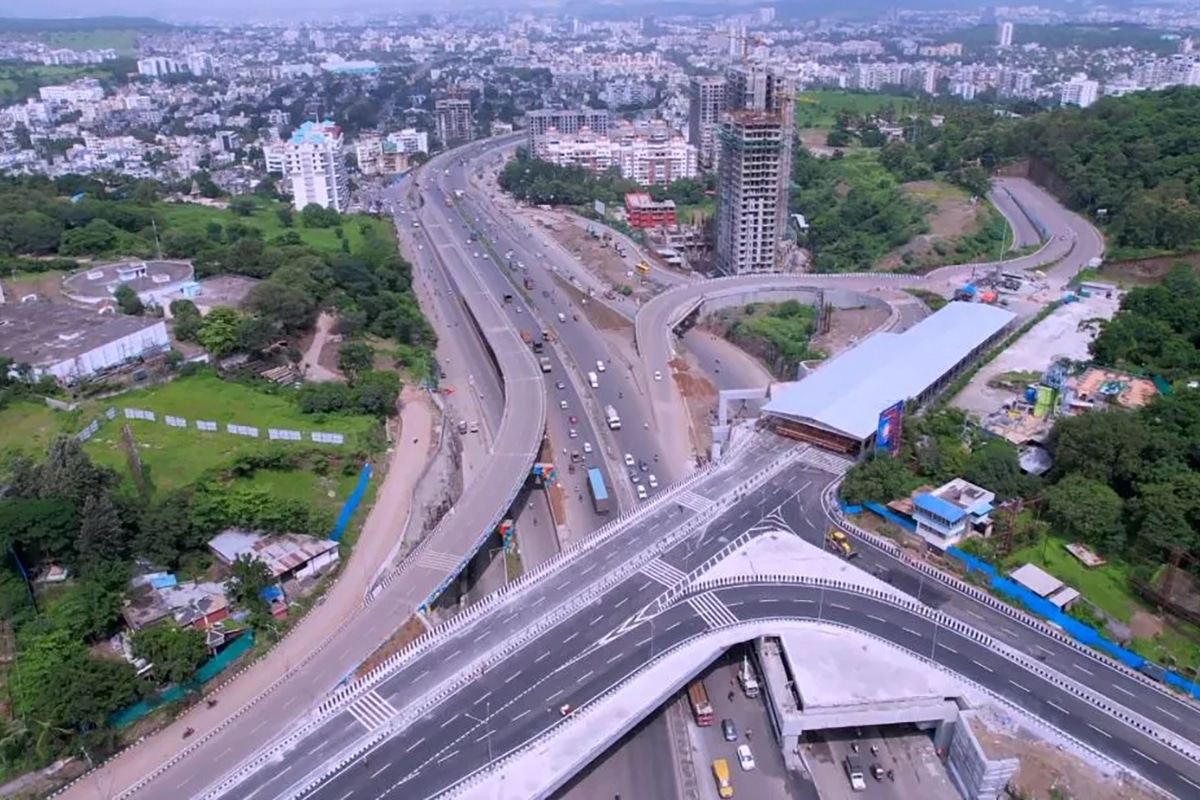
pixel 282 552
pixel 1036 580
pixel 847 393
pixel 158 595
pixel 316 132
pixel 955 500
pixel 44 334
pixel 99 281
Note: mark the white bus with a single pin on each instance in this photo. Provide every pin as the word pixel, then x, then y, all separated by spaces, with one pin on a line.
pixel 613 419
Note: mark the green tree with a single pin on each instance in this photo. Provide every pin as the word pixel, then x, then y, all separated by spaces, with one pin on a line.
pixel 175 652
pixel 355 358
pixel 314 216
pixel 96 238
pixel 996 467
pixel 102 536
pixel 128 301
pixel 880 479
pixel 1085 509
pixel 219 331
pixel 243 206
pixel 287 217
pixel 248 577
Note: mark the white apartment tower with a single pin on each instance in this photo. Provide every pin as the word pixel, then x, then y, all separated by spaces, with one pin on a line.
pixel 1080 92
pixel 705 107
pixel 314 166
pixel 1004 34
pixel 754 170
pixel 453 116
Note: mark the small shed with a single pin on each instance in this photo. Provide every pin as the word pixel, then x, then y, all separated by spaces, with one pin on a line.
pixel 1045 585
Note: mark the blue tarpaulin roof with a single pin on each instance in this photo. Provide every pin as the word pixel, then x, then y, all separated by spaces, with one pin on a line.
pixel 938 507
pixel 164 581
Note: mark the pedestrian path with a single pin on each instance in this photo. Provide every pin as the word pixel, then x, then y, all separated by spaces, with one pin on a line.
pixel 695 502
pixel 714 613
pixel 371 710
pixel 664 573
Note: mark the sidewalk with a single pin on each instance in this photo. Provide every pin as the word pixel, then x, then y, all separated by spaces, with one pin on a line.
pixel 383 525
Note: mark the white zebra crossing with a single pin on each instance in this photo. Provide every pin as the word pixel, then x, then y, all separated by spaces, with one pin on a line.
pixel 714 613
pixel 825 461
pixel 695 502
pixel 436 560
pixel 664 573
pixel 371 710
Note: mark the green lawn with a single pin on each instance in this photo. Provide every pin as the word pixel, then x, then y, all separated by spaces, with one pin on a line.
pixel 178 456
pixel 329 491
pixel 818 109
pixel 1105 587
pixel 189 216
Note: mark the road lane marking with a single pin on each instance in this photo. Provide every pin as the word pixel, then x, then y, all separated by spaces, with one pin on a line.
pixel 645 586
pixel 572 636
pixel 543 655
pixel 513 677
pixel 910 630
pixel 947 647
pixel 1143 755
pixel 676 625
pixel 597 619
pixel 1019 686
pixel 381 770
pixel 624 600
pixel 347 794
pixel 1185 780
pixel 447 757
pixel 617 657
pixel 447 722
pixel 843 608
pixel 645 641
pixel 1083 669
pixel 415 745
pixel 1168 713
pixel 485 696
pixel 877 619
pixel 982 666
pixel 742 602
pixel 974 614
pixel 518 716
pixel 1123 690
pixel 589 674
pixel 556 694
pixel 1056 705
pixel 1045 650
pixel 1101 731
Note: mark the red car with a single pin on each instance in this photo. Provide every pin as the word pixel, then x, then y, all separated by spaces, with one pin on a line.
pixel 574 419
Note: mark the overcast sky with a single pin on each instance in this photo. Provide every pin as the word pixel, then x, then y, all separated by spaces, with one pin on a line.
pixel 223 9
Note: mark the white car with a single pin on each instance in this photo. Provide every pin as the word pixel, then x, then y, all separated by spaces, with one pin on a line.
pixel 652 480
pixel 599 366
pixel 745 757
pixel 641 492
pixel 629 462
pixel 657 375
pixel 574 434
pixel 562 404
pixel 587 448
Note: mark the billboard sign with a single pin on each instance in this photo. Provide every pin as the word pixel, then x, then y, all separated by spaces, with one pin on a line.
pixel 887 435
pixel 599 207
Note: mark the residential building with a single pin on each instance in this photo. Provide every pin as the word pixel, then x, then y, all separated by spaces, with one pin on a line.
pixel 1004 35
pixel 200 64
pixel 315 166
pixel 553 122
pixel 73 344
pixel 649 155
pixel 1079 92
pixel 952 512
pixel 410 140
pixel 159 596
pixel 291 557
pixel 754 171
pixel 643 211
pixel 706 104
pixel 81 91
pixel 454 123
pixel 159 66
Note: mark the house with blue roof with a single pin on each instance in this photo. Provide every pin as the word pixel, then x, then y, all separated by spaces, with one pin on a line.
pixel 952 512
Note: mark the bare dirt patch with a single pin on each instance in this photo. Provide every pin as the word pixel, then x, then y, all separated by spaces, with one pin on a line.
pixel 848 327
pixel 601 316
pixel 700 395
pixel 953 215
pixel 1144 271
pixel 1045 768
pixel 813 140
pixel 1144 625
pixel 47 285
pixel 601 259
pixel 409 632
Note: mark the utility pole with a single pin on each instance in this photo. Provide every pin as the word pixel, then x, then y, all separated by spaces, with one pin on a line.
pixel 486 722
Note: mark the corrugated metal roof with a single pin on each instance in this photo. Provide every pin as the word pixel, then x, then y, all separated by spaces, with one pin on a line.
pixel 938 507
pixel 847 393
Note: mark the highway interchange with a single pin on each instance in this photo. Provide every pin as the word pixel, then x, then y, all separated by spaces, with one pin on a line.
pixel 525 691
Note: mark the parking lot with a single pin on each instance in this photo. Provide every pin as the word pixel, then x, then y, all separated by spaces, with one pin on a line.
pixel 768 780
pixel 907 753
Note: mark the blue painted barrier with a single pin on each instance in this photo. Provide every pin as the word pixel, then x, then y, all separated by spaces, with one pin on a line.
pixel 890 516
pixel 1039 606
pixel 351 504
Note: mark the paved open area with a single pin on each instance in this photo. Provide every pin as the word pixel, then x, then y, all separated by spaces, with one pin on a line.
pixel 1063 334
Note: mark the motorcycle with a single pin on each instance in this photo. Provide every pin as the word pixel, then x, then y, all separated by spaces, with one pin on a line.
pixel 188 732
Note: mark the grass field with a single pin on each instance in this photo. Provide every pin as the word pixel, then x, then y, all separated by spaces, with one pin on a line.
pixel 818 109
pixel 1105 587
pixel 190 216
pixel 123 41
pixel 33 76
pixel 178 456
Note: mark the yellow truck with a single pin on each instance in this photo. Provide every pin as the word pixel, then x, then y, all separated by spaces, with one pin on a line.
pixel 720 770
pixel 839 543
pixel 643 267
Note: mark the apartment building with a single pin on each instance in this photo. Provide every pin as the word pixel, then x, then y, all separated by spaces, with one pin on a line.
pixel 1079 92
pixel 554 122
pixel 314 166
pixel 649 155
pixel 755 165
pixel 453 117
pixel 706 104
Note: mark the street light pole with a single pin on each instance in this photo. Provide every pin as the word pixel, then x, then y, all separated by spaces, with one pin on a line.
pixel 486 722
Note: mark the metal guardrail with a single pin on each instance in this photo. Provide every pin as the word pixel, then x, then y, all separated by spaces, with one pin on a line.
pixel 938 618
pixel 835 515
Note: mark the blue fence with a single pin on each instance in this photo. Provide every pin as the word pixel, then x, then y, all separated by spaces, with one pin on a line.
pixel 211 669
pixel 352 503
pixel 1012 591
pixel 1042 230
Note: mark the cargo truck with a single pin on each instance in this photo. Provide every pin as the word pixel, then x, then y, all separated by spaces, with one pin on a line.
pixel 598 491
pixel 720 771
pixel 854 772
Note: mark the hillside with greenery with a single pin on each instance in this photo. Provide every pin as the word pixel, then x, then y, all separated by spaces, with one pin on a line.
pixel 308 261
pixel 778 334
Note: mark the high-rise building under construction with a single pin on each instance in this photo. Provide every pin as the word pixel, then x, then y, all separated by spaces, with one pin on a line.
pixel 754 169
